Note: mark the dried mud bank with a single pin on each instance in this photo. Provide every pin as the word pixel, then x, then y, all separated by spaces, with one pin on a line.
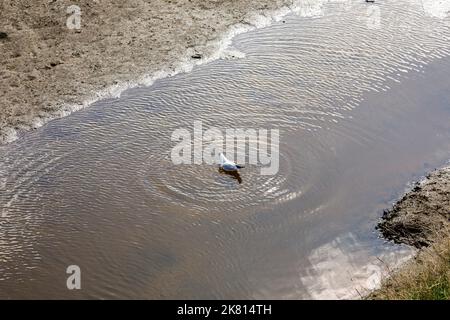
pixel 423 214
pixel 48 70
pixel 421 219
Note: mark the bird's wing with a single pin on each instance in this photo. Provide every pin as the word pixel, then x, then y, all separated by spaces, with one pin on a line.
pixel 222 159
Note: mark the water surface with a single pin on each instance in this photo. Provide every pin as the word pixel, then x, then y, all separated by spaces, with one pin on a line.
pixel 362 112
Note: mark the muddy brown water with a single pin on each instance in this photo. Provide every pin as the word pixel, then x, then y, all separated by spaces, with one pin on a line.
pixel 361 114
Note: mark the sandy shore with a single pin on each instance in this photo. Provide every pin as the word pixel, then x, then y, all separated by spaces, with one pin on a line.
pixel 49 70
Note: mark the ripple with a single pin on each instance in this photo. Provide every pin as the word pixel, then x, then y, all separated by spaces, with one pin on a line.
pixel 206 189
pixel 105 173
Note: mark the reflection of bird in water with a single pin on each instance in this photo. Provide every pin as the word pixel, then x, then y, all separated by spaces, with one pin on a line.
pixel 229 167
pixel 234 174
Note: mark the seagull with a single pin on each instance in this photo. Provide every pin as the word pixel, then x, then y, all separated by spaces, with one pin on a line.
pixel 228 165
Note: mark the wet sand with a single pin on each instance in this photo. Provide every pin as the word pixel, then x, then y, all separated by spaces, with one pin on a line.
pixel 47 70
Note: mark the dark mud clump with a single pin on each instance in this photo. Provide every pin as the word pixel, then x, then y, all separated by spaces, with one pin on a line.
pixel 422 214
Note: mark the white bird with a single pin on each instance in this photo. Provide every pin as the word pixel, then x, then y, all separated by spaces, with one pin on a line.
pixel 228 165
